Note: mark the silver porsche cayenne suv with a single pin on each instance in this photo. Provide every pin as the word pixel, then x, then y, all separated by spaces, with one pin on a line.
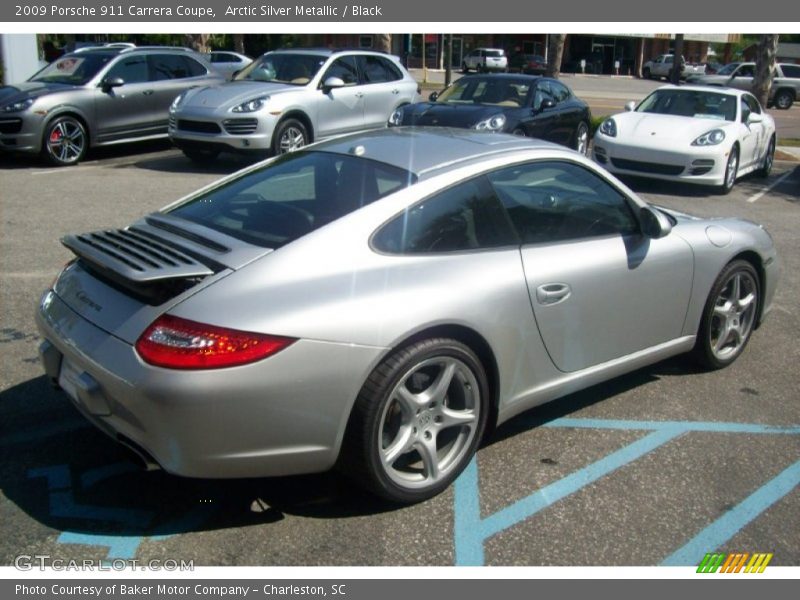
pixel 289 98
pixel 379 301
pixel 97 97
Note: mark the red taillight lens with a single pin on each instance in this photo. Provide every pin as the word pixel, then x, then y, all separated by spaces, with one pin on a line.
pixel 178 343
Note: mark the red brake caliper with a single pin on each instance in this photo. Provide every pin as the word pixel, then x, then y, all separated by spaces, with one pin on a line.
pixel 55 136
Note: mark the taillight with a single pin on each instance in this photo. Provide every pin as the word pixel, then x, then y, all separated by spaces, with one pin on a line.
pixel 178 343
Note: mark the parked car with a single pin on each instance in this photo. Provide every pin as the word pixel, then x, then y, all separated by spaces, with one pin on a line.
pixel 228 63
pixel 785 84
pixel 331 306
pixel 289 98
pixel 531 64
pixel 525 105
pixel 97 97
pixel 485 59
pixel 661 66
pixel 689 133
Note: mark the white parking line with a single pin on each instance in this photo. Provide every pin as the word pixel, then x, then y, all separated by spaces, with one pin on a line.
pixel 64 170
pixel 757 197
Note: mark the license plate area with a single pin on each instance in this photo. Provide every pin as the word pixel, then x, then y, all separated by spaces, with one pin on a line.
pixel 82 388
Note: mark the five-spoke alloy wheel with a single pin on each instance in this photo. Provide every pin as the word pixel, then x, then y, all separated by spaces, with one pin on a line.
pixel 290 135
pixel 417 421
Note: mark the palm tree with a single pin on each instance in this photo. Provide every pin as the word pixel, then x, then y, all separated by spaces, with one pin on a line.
pixel 555 53
pixel 765 66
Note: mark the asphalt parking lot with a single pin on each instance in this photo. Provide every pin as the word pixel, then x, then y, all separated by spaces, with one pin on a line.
pixel 656 467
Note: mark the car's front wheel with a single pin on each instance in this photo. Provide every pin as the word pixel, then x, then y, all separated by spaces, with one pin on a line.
pixel 731 169
pixel 65 141
pixel 729 316
pixel 464 68
pixel 581 143
pixel 290 135
pixel 417 421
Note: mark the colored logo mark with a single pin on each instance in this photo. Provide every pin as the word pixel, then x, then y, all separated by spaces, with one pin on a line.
pixel 734 562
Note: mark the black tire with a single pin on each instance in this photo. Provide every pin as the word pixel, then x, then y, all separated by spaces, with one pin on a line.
pixel 783 99
pixel 646 73
pixel 464 68
pixel 292 128
pixel 581 138
pixel 731 170
pixel 769 159
pixel 519 131
pixel 201 156
pixel 704 352
pixel 378 411
pixel 65 141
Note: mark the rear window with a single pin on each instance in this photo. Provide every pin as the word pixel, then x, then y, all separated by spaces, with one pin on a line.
pixel 791 71
pixel 292 196
pixel 493 53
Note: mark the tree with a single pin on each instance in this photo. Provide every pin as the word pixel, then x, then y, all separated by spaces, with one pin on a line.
pixel 238 43
pixel 677 60
pixel 199 42
pixel 384 42
pixel 555 54
pixel 765 66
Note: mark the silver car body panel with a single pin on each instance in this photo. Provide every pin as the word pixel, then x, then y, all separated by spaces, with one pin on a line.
pixel 350 306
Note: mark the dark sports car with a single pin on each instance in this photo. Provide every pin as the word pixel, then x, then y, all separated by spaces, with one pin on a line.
pixel 537 107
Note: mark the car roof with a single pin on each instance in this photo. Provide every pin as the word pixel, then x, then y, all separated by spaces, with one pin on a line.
pixel 705 88
pixel 425 151
pixel 327 51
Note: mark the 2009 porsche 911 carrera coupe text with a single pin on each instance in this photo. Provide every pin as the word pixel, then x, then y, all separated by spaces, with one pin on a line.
pixel 379 301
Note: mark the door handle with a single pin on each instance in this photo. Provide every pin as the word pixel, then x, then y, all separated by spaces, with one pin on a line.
pixel 359 94
pixel 552 293
pixel 395 91
pixel 148 92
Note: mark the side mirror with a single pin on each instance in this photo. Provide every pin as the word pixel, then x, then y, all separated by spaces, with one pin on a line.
pixel 755 118
pixel 433 96
pixel 654 223
pixel 112 82
pixel 547 103
pixel 332 83
pixel 630 106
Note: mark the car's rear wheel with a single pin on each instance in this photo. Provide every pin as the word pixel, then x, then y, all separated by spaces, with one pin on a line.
pixel 769 159
pixel 581 143
pixel 201 155
pixel 731 169
pixel 646 74
pixel 65 141
pixel 290 135
pixel 464 68
pixel 417 421
pixel 783 99
pixel 729 316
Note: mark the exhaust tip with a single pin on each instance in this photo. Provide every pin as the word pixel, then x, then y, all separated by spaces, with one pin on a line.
pixel 144 457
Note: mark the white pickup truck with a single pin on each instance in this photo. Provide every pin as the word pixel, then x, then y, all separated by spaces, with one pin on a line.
pixel 662 67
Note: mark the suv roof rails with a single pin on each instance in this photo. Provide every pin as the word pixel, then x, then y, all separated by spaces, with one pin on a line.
pixel 175 48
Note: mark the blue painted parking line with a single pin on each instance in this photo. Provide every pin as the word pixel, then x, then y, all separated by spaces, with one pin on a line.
pixel 471 531
pixel 724 528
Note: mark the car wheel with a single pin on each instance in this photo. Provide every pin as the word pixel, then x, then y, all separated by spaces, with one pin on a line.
pixel 519 131
pixel 647 74
pixel 201 155
pixel 731 169
pixel 769 159
pixel 290 135
pixel 464 68
pixel 581 143
pixel 65 141
pixel 783 100
pixel 417 421
pixel 729 316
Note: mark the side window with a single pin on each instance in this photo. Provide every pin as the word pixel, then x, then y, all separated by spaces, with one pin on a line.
pixel 746 71
pixel 467 216
pixel 555 201
pixel 167 66
pixel 345 69
pixel 752 104
pixel 131 70
pixel 791 71
pixel 376 69
pixel 194 68
pixel 223 57
pixel 543 91
pixel 560 92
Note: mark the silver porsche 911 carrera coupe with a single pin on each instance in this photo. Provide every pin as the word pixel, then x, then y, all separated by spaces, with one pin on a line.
pixel 379 301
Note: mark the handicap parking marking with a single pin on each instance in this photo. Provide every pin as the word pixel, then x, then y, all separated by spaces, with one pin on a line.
pixel 62 504
pixel 471 530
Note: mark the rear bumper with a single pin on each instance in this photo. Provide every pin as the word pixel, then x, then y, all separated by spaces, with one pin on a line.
pixel 280 416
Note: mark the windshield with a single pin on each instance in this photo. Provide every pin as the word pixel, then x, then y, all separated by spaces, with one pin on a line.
pixel 728 69
pixel 292 196
pixel 487 90
pixel 690 103
pixel 73 69
pixel 294 69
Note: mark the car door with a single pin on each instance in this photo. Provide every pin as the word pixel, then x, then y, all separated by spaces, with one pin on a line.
pixel 742 77
pixel 543 122
pixel 598 288
pixel 340 110
pixel 753 136
pixel 124 111
pixel 568 117
pixel 172 74
pixel 381 86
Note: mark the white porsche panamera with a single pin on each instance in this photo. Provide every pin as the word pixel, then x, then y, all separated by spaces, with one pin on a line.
pixel 689 133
